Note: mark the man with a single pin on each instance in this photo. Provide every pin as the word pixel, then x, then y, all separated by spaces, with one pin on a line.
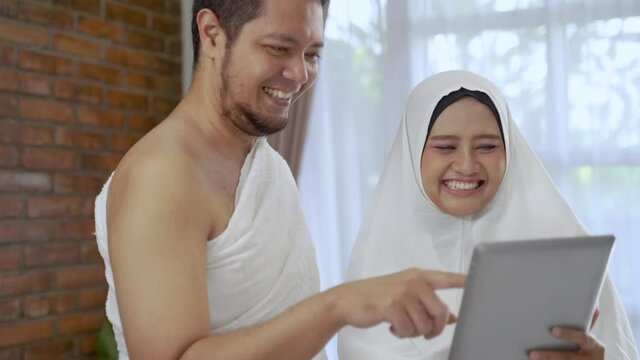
pixel 207 254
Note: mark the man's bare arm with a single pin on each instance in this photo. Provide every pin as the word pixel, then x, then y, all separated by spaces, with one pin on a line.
pixel 157 234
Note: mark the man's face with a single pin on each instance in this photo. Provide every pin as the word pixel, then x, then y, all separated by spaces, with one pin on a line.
pixel 271 63
pixel 464 159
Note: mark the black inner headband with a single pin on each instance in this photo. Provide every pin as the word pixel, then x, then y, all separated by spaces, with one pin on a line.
pixel 456 95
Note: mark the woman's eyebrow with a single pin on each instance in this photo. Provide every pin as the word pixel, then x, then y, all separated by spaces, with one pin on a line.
pixel 487 137
pixel 443 137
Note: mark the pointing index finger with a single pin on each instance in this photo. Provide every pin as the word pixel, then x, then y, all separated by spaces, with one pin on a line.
pixel 445 280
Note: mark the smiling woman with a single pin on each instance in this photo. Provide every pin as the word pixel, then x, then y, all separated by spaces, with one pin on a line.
pixel 567 68
pixel 450 183
pixel 464 159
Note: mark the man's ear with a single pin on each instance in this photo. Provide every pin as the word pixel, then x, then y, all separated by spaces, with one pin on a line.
pixel 212 36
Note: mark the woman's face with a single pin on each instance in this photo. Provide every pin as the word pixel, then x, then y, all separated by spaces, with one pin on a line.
pixel 463 161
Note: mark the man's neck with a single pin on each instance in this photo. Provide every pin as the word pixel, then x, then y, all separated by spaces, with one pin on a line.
pixel 203 111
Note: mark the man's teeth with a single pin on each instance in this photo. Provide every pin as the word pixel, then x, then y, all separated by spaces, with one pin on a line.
pixel 277 93
pixel 459 185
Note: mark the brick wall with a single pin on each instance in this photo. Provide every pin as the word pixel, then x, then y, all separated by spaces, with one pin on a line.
pixel 80 82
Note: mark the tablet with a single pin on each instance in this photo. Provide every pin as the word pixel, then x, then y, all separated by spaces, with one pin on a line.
pixel 516 291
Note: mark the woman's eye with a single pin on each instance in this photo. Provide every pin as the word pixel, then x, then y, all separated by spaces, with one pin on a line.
pixel 445 147
pixel 486 148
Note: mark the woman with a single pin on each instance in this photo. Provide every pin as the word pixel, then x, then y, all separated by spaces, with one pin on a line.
pixel 459 174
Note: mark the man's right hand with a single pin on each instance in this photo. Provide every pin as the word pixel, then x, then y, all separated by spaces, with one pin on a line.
pixel 407 300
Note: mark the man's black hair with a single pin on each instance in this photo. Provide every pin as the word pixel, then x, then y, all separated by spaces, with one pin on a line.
pixel 232 14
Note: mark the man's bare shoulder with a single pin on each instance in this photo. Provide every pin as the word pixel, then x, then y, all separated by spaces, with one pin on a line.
pixel 158 171
pixel 157 156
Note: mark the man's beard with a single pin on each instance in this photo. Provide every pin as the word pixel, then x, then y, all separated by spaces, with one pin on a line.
pixel 241 115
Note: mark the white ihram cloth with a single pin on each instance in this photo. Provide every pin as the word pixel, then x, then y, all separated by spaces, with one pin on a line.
pixel 403 228
pixel 262 264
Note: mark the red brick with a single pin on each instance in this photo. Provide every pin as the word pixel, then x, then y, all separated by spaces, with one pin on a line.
pixel 41 256
pixel 14 353
pixel 80 138
pixel 8 156
pixel 93 299
pixel 23 34
pixel 24 83
pixel 175 47
pixel 76 45
pixel 153 5
pixel 48 64
pixel 45 110
pixel 90 322
pixel 36 306
pixel 10 259
pixel 174 6
pixel 163 106
pixel 15 334
pixel 34 85
pixel 141 122
pixel 71 90
pixel 169 25
pixel 7 55
pixel 48 159
pixel 51 350
pixel 90 253
pixel 10 208
pixel 141 60
pixel 92 7
pixel 103 74
pixel 123 142
pixel 127 100
pixel 9 310
pixel 100 28
pixel 42 305
pixel 24 182
pixel 9 9
pixel 87 344
pixel 24 283
pixel 129 58
pixel 80 277
pixel 9 81
pixel 81 184
pixel 9 133
pixel 57 207
pixel 36 135
pixel 161 84
pixel 8 106
pixel 93 162
pixel 100 118
pixel 126 15
pixel 74 230
pixel 142 40
pixel 45 15
pixel 20 232
pixel 164 66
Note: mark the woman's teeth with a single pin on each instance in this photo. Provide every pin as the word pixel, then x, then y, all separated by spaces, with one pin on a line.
pixel 462 185
pixel 277 93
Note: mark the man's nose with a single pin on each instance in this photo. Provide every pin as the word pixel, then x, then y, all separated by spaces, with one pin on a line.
pixel 296 70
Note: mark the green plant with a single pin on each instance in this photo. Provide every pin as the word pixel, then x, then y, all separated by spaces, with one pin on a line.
pixel 107 348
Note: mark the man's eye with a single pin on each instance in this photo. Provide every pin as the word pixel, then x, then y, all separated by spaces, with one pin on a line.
pixel 277 50
pixel 313 58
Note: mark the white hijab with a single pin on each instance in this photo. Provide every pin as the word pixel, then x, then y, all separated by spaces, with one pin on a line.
pixel 403 228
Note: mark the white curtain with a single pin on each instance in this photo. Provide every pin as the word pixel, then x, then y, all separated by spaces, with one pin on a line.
pixel 570 70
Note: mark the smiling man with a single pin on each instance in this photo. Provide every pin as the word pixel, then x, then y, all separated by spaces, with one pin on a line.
pixel 206 250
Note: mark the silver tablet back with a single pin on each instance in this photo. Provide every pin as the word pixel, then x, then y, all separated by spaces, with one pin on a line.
pixel 516 291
